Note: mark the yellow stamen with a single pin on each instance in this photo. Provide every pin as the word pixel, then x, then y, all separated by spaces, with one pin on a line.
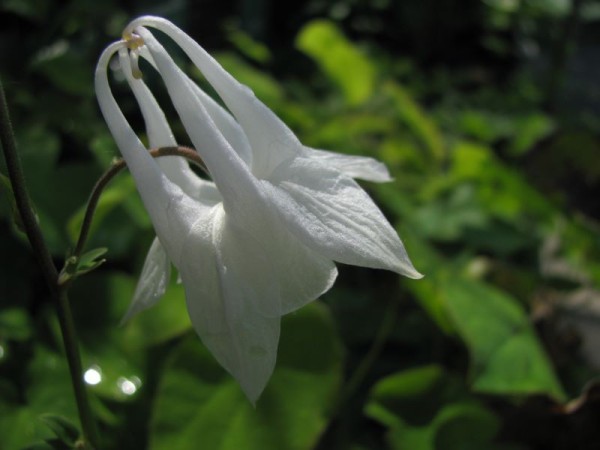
pixel 133 41
pixel 134 56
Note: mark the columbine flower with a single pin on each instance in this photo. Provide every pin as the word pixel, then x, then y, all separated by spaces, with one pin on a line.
pixel 261 240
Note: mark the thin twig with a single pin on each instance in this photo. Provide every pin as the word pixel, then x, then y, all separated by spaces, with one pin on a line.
pixel 117 166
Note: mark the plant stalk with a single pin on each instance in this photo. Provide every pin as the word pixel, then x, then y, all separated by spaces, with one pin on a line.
pixel 185 152
pixel 49 271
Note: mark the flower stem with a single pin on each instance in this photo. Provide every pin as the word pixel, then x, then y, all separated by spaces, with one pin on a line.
pixel 67 326
pixel 49 271
pixel 186 152
pixel 19 188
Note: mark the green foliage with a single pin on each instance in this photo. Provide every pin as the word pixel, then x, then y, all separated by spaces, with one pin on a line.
pixel 248 46
pixel 417 120
pixel 344 64
pixel 425 409
pixel 506 355
pixel 15 324
pixel 77 266
pixel 66 432
pixel 198 401
pixel 64 67
pixel 48 389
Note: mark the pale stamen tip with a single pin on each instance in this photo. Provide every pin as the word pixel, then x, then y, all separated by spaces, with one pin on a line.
pixel 133 41
pixel 134 57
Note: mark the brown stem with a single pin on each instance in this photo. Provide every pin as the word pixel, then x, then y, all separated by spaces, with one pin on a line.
pixel 185 152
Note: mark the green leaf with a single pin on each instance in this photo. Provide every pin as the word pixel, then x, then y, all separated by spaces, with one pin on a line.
pixel 48 445
pixel 62 427
pixel 50 387
pixel 198 402
pixel 325 43
pixel 75 267
pixel 248 46
pixel 351 132
pixel 88 261
pixel 20 427
pixel 429 291
pixel 465 427
pixel 108 295
pixel 89 258
pixel 65 67
pixel 457 427
pixel 424 408
pixel 47 388
pixel 15 324
pixel 449 218
pixel 530 129
pixel 507 357
pixel 424 128
pixel 166 320
pixel 406 394
pixel 501 190
pixel 70 186
pixel 485 126
pixel 35 10
pixel 39 149
pixel 104 148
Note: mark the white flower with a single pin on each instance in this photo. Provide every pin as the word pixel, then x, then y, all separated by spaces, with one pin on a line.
pixel 261 240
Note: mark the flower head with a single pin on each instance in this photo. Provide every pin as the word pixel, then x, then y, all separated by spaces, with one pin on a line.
pixel 261 238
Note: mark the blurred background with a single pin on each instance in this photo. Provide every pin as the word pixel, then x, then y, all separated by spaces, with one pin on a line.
pixel 487 113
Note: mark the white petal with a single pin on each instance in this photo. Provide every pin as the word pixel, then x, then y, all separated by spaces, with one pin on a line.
pixel 157 127
pixel 237 288
pixel 230 129
pixel 332 214
pixel 153 281
pixel 157 267
pixel 242 340
pixel 160 135
pixel 271 140
pixel 273 270
pixel 362 167
pixel 171 211
pixel 228 170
